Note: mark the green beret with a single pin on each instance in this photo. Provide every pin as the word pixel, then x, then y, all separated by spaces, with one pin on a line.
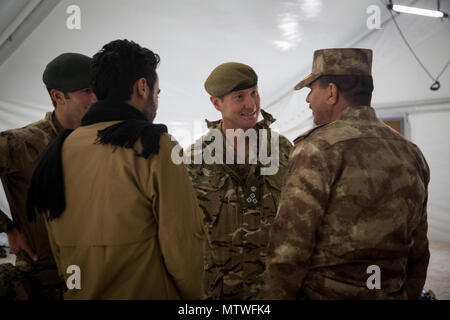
pixel 228 77
pixel 68 72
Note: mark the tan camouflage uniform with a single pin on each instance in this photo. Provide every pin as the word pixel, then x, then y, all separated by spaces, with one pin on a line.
pixel 20 152
pixel 237 231
pixel 355 196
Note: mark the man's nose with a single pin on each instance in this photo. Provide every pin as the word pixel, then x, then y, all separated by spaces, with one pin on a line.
pixel 250 102
pixel 93 98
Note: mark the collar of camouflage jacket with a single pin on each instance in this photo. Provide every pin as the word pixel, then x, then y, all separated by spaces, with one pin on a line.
pixel 351 113
pixel 56 125
pixel 251 179
pixel 358 113
pixel 267 120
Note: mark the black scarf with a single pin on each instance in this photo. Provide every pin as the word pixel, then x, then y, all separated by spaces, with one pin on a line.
pixel 46 193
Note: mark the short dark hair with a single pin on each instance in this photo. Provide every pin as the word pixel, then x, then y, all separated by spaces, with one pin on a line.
pixel 118 65
pixel 356 89
pixel 50 94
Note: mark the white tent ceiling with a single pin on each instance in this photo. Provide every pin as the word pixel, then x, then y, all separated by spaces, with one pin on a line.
pixel 276 37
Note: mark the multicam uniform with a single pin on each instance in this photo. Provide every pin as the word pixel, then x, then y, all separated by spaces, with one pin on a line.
pixel 20 152
pixel 355 196
pixel 238 229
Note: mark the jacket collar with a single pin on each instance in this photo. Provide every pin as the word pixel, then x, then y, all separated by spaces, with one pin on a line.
pixel 50 116
pixel 358 113
pixel 351 113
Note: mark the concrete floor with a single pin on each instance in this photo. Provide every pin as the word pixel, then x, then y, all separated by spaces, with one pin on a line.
pixel 438 276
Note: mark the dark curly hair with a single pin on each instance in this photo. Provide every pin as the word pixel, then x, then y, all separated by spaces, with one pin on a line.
pixel 118 65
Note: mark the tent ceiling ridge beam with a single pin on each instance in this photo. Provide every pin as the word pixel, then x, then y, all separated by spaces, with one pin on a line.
pixel 415 103
pixel 414 107
pixel 18 21
pixel 23 25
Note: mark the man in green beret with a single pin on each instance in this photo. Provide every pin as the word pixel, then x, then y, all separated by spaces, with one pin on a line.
pixel 34 275
pixel 238 194
pixel 352 220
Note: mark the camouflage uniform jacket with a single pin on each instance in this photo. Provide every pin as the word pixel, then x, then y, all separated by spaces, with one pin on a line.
pixel 20 152
pixel 238 232
pixel 355 196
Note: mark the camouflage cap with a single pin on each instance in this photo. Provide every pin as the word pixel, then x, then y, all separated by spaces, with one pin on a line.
pixel 230 76
pixel 68 72
pixel 347 61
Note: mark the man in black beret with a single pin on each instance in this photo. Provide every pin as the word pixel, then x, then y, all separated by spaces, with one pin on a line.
pixel 115 203
pixel 34 276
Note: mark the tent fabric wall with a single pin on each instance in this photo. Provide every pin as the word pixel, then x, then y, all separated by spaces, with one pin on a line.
pixel 426 129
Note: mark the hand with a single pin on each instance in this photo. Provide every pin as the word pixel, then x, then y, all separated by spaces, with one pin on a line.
pixel 18 242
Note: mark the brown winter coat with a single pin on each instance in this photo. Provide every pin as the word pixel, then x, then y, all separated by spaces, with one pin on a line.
pixel 131 224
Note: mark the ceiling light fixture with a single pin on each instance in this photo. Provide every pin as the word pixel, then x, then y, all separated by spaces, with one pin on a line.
pixel 418 11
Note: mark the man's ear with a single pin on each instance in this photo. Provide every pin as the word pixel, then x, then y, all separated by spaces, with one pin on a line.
pixel 141 87
pixel 216 101
pixel 333 93
pixel 58 96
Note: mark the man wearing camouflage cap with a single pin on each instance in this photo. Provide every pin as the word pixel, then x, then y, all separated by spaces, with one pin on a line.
pixel 35 275
pixel 238 201
pixel 352 220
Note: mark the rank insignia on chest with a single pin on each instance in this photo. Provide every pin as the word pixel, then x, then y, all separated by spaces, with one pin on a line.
pixel 252 193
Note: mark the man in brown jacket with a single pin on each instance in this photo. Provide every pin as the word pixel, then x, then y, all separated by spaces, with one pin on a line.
pixel 34 275
pixel 123 219
pixel 352 220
